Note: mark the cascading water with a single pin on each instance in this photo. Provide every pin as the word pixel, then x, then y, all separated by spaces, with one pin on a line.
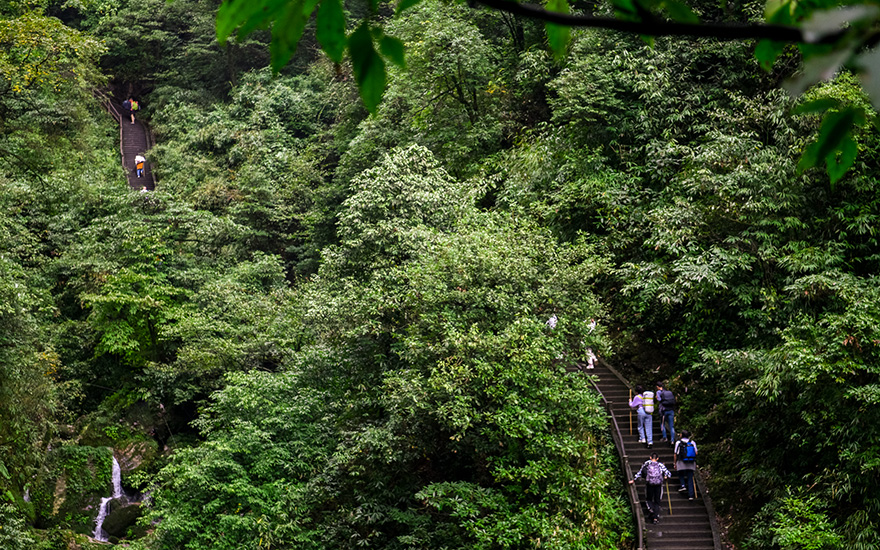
pixel 105 502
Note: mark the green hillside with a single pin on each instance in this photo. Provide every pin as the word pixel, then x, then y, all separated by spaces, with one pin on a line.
pixel 327 327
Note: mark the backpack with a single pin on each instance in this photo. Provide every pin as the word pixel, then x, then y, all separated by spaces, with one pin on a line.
pixel 648 402
pixel 687 452
pixel 134 105
pixel 667 400
pixel 653 473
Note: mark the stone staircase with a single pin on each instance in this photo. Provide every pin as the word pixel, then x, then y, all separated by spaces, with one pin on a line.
pixel 134 139
pixel 685 524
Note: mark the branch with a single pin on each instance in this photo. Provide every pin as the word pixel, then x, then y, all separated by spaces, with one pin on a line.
pixel 22 163
pixel 720 31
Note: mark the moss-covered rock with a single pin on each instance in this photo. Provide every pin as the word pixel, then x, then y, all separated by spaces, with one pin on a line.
pixel 137 455
pixel 121 518
pixel 71 485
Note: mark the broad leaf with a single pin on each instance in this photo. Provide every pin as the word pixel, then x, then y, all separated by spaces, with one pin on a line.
pixel 369 69
pixel 810 158
pixel 825 22
pixel 245 15
pixel 838 162
pixel 816 69
pixel 835 145
pixel 404 4
pixel 767 51
pixel 816 106
pixel 287 30
pixel 393 49
pixel 626 9
pixel 330 29
pixel 680 11
pixel 777 8
pixel 558 36
pixel 834 130
pixel 868 64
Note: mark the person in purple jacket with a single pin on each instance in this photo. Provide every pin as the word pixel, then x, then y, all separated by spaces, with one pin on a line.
pixel 646 421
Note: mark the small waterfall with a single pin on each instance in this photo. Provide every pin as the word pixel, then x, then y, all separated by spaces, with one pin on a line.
pixel 105 502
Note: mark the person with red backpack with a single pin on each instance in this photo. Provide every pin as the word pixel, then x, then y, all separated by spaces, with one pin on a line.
pixel 686 463
pixel 654 473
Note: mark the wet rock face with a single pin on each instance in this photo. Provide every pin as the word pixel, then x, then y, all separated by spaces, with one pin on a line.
pixel 122 516
pixel 136 454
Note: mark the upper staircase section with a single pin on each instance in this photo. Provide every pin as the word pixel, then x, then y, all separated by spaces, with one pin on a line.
pixel 134 139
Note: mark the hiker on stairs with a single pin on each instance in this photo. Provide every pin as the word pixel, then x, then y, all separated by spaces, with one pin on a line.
pixel 654 473
pixel 686 463
pixel 666 399
pixel 139 161
pixel 643 402
pixel 131 106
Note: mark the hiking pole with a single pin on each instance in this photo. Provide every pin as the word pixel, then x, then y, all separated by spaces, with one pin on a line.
pixel 668 497
pixel 630 412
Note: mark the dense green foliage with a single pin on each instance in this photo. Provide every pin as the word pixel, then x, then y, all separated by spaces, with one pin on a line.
pixel 327 328
pixel 827 35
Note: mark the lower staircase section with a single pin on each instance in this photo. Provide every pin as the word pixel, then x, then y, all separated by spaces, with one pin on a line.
pixel 684 524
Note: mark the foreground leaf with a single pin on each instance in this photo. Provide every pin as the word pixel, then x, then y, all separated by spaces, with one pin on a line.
pixel 368 66
pixel 330 29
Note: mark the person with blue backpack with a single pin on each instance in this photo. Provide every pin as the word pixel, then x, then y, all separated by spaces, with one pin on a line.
pixel 686 463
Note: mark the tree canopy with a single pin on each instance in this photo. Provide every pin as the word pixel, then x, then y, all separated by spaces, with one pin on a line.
pixel 829 36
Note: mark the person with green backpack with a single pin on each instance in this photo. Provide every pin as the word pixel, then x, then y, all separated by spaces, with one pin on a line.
pixel 131 106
